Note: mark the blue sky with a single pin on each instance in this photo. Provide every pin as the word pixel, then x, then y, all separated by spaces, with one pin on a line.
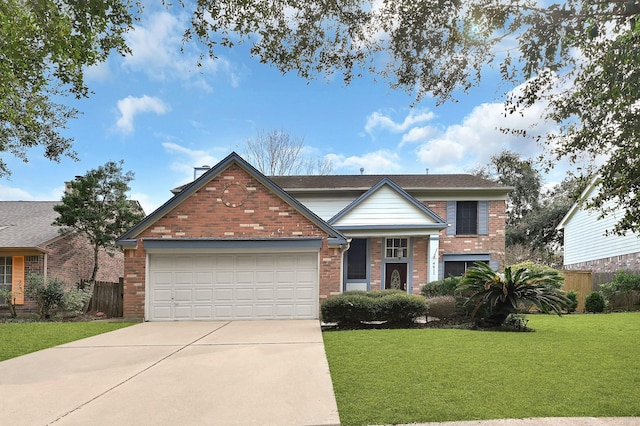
pixel 161 114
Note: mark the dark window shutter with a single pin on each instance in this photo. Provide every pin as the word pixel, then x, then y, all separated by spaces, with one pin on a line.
pixel 483 218
pixel 451 217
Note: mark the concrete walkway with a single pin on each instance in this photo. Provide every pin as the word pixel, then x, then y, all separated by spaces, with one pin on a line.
pixel 176 373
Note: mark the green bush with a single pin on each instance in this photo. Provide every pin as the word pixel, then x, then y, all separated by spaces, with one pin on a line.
pixel 400 309
pixel 594 302
pixel 48 294
pixel 624 289
pixel 442 307
pixel 539 268
pixel 572 295
pixel 393 306
pixel 348 309
pixel 74 302
pixel 445 287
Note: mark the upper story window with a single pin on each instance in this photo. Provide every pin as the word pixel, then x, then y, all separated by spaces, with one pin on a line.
pixel 396 247
pixel 468 217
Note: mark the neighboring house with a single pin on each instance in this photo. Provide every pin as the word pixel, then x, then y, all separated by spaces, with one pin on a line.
pixel 586 245
pixel 30 244
pixel 235 244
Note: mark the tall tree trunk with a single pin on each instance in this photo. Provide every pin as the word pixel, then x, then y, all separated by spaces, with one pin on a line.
pixel 96 251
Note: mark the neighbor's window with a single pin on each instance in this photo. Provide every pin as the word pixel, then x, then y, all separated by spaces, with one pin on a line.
pixel 467 218
pixel 5 273
pixel 396 247
pixel 357 259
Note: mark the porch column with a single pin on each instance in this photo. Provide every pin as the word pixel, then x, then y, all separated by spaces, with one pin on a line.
pixel 432 259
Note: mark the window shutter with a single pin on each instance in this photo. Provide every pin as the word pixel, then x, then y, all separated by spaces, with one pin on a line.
pixel 483 218
pixel 451 217
pixel 17 280
pixel 493 264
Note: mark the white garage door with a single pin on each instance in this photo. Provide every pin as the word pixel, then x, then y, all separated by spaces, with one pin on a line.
pixel 233 286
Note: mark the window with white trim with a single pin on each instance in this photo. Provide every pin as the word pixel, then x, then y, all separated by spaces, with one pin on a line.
pixel 396 248
pixel 5 272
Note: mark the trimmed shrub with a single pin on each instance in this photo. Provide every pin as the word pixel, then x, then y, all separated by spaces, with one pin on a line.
pixel 400 309
pixel 594 302
pixel 393 306
pixel 442 307
pixel 445 287
pixel 572 295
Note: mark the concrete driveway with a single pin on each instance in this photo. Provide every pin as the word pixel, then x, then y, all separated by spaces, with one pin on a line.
pixel 176 373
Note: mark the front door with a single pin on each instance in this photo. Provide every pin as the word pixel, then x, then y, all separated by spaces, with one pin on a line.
pixel 395 276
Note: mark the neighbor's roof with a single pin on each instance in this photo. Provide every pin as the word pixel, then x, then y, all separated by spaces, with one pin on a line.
pixel 27 224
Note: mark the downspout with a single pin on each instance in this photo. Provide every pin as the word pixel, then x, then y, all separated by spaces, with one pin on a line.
pixel 343 249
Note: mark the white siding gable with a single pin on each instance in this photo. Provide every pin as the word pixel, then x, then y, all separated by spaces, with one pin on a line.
pixel 384 207
pixel 325 207
pixel 584 238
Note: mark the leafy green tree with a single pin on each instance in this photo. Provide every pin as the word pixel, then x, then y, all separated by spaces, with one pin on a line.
pixel 494 296
pixel 96 206
pixel 45 46
pixel 578 57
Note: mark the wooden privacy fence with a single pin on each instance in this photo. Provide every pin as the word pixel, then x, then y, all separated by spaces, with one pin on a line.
pixel 579 281
pixel 107 297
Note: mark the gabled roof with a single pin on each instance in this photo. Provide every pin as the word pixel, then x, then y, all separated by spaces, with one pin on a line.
pixel 435 221
pixel 27 224
pixel 196 185
pixel 595 181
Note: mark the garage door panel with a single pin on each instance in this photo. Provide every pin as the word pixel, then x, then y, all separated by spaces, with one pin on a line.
pixel 233 286
pixel 285 293
pixel 305 293
pixel 204 295
pixel 264 294
pixel 245 277
pixel 224 277
pixel 265 277
pixel 244 311
pixel 203 311
pixel 183 278
pixel 224 294
pixel 264 311
pixel 244 294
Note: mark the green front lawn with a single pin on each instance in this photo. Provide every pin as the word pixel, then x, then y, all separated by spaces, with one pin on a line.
pixel 573 366
pixel 22 338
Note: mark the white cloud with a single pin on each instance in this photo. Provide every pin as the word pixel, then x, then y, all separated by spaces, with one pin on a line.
pixel 382 161
pixel 378 120
pixel 158 51
pixel 418 134
pixel 130 106
pixel 185 159
pixel 14 194
pixel 477 137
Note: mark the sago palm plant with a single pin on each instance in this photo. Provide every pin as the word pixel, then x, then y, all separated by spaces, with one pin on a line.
pixel 495 295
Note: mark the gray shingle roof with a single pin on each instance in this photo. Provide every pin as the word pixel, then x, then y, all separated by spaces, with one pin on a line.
pixel 27 224
pixel 406 182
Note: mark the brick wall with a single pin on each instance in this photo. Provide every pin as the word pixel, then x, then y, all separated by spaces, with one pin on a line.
pixel 71 260
pixel 233 205
pixel 420 263
pixel 628 262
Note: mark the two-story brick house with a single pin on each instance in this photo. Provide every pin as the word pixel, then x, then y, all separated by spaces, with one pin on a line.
pixel 235 244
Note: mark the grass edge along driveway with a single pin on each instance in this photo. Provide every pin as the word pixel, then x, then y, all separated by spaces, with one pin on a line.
pixel 21 338
pixel 571 366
